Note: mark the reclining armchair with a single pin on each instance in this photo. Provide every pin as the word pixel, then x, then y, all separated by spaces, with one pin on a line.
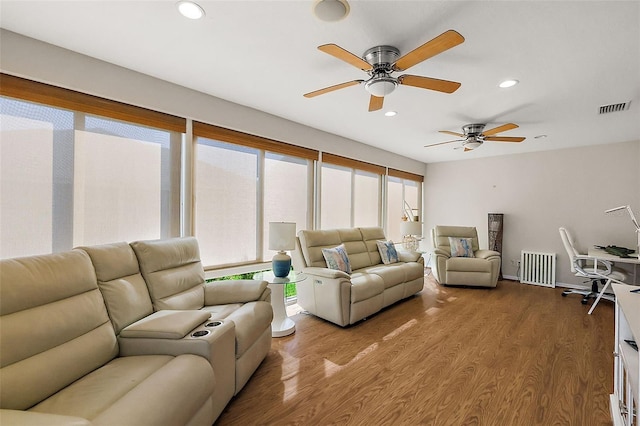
pixel 458 259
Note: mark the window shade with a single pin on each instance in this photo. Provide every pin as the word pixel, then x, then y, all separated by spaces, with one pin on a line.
pixel 32 91
pixel 352 164
pixel 405 175
pixel 245 139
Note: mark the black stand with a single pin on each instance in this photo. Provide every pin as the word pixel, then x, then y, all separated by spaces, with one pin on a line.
pixel 496 221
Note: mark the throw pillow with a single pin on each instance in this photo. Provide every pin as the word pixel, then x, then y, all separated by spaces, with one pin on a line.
pixel 337 258
pixel 461 247
pixel 387 251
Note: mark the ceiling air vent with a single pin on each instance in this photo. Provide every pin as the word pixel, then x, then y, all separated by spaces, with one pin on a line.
pixel 604 109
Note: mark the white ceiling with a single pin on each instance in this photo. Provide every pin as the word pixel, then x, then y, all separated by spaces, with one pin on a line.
pixel 571 57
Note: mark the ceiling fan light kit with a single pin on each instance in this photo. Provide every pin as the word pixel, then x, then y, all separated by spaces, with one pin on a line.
pixel 474 135
pixel 331 10
pixel 381 61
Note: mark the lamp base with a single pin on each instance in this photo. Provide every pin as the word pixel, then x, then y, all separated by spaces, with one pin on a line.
pixel 410 243
pixel 281 264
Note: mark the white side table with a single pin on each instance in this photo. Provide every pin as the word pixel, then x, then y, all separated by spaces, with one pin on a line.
pixel 281 325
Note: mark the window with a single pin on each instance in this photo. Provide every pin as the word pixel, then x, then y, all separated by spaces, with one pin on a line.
pixel 286 195
pixel 335 201
pixel 226 202
pixel 366 200
pixel 243 182
pixel 71 178
pixel 350 193
pixel 404 198
pixel 32 176
pixel 122 187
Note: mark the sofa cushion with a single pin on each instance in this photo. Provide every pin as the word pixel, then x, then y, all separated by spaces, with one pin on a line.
pixel 124 291
pixel 442 234
pixel 313 241
pixel 365 286
pixel 356 248
pixel 388 252
pixel 466 264
pixel 173 272
pixel 461 247
pixel 370 236
pixel 54 326
pixel 337 258
pixel 147 389
pixel 392 275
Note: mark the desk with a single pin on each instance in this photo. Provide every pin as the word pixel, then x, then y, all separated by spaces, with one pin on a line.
pixel 281 325
pixel 626 372
pixel 601 254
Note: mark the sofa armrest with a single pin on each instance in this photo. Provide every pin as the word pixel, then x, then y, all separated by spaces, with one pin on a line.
pixel 31 418
pixel 486 254
pixel 235 291
pixel 442 253
pixel 326 273
pixel 409 256
pixel 165 325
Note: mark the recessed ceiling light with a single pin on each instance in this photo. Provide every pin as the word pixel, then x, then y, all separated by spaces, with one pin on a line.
pixel 508 83
pixel 390 113
pixel 331 10
pixel 190 10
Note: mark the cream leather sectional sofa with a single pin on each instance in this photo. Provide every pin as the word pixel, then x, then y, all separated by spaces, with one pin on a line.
pixel 125 334
pixel 344 298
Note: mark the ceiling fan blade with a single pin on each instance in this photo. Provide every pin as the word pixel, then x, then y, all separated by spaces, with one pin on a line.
pixel 467 149
pixel 441 143
pixel 332 88
pixel 452 133
pixel 445 86
pixel 444 41
pixel 346 56
pixel 375 103
pixel 503 128
pixel 503 139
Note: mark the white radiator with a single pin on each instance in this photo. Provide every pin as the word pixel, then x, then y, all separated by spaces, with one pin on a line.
pixel 538 268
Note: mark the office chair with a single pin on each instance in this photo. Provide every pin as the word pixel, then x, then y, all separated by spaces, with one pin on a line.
pixel 594 270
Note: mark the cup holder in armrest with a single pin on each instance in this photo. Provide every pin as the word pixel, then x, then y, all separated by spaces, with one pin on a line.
pixel 200 333
pixel 213 324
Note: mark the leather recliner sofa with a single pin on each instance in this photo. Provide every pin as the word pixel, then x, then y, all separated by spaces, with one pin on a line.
pixel 344 298
pixel 82 342
pixel 480 270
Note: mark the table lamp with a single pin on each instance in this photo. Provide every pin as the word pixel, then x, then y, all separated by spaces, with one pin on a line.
pixel 633 219
pixel 282 236
pixel 409 231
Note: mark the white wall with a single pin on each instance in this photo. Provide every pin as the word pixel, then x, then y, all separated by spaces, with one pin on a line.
pixel 35 60
pixel 538 193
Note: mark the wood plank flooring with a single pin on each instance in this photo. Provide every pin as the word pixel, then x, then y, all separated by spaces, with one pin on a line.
pixel 514 355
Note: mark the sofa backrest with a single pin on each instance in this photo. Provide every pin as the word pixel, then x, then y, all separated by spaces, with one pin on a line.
pixel 356 248
pixel 313 241
pixel 442 233
pixel 360 244
pixel 173 272
pixel 54 326
pixel 371 236
pixel 124 291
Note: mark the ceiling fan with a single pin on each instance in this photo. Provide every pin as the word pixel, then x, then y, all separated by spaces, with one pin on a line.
pixel 381 61
pixel 474 135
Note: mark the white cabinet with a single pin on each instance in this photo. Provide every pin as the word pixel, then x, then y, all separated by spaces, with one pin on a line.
pixel 626 383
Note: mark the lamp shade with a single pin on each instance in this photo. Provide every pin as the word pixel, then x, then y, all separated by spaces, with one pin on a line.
pixel 411 228
pixel 282 236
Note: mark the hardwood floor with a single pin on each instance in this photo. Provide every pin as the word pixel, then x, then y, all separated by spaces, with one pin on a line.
pixel 514 355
